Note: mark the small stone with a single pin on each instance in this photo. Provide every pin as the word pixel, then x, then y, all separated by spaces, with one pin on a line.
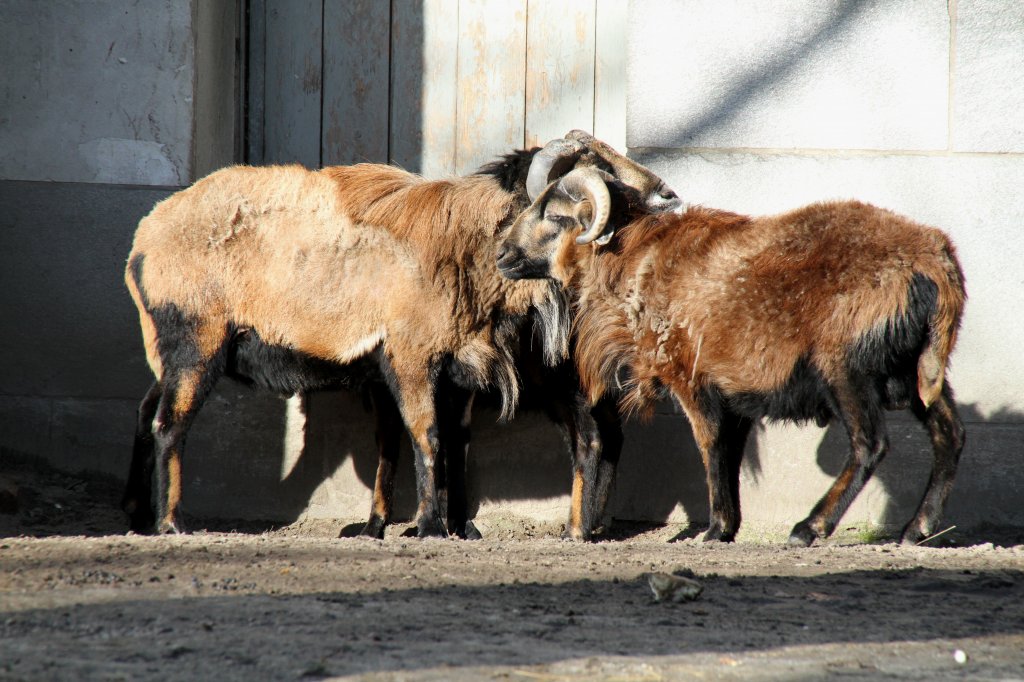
pixel 675 588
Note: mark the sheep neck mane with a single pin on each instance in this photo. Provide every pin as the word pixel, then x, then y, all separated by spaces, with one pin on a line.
pixel 611 287
pixel 448 220
pixel 452 227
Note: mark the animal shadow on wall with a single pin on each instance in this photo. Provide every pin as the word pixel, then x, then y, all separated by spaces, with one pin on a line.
pixel 278 458
pixel 268 462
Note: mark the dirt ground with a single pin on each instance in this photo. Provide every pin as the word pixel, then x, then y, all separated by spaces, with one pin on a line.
pixel 81 600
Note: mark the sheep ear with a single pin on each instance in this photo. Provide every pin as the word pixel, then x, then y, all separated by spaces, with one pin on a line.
pixel 550 163
pixel 605 238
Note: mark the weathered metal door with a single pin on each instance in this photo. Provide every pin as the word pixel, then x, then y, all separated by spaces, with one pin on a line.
pixel 436 86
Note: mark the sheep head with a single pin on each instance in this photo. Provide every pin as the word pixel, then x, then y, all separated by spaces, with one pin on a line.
pixel 579 149
pixel 571 211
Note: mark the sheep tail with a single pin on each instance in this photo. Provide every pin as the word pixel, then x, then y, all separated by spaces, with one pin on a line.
pixel 942 333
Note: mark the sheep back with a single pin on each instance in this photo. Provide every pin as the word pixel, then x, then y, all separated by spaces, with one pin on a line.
pixel 714 297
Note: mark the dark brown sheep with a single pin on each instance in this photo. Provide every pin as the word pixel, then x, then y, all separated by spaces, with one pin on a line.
pixel 835 310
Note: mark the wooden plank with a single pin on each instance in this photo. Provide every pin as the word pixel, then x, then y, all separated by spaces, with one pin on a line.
pixel 293 82
pixel 424 70
pixel 252 74
pixel 492 74
pixel 610 73
pixel 356 68
pixel 559 69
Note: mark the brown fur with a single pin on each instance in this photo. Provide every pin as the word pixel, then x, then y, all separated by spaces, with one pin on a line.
pixel 807 314
pixel 292 255
pixel 704 295
pixel 334 262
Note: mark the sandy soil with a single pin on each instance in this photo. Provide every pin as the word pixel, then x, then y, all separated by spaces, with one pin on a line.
pixel 81 600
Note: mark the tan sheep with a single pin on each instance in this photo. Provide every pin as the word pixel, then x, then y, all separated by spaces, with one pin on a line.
pixel 295 279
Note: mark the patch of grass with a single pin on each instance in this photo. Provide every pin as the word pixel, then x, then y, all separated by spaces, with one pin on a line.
pixel 872 535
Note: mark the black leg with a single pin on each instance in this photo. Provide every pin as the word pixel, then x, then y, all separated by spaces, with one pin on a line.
pixel 609 426
pixel 429 516
pixel 727 458
pixel 859 407
pixel 414 386
pixel 388 436
pixel 946 431
pixel 710 424
pixel 455 419
pixel 137 501
pixel 184 393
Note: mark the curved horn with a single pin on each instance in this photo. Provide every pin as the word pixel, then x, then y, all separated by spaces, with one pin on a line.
pixel 589 183
pixel 580 136
pixel 551 162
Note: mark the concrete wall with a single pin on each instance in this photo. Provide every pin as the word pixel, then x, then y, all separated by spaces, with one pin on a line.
pixel 107 107
pixel 911 105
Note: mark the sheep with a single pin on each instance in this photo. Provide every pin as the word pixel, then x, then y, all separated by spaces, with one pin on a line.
pixel 360 276
pixel 834 310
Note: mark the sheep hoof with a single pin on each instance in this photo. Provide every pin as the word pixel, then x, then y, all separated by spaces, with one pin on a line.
pixel 374 528
pixel 802 535
pixel 911 536
pixel 171 526
pixel 472 532
pixel 716 534
pixel 575 536
pixel 431 528
pixel 464 530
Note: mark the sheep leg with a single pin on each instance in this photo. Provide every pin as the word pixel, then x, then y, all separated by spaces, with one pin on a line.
pixel 416 389
pixel 429 519
pixel 860 408
pixel 609 425
pixel 597 447
pixel 733 438
pixel 722 461
pixel 137 501
pixel 586 451
pixel 946 430
pixel 720 436
pixel 184 395
pixel 583 429
pixel 455 435
pixel 388 426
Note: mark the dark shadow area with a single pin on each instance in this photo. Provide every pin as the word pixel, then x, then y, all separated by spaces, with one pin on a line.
pixel 235 479
pixel 339 633
pixel 42 501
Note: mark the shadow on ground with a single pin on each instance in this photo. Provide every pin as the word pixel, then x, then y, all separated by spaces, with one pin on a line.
pixel 336 633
